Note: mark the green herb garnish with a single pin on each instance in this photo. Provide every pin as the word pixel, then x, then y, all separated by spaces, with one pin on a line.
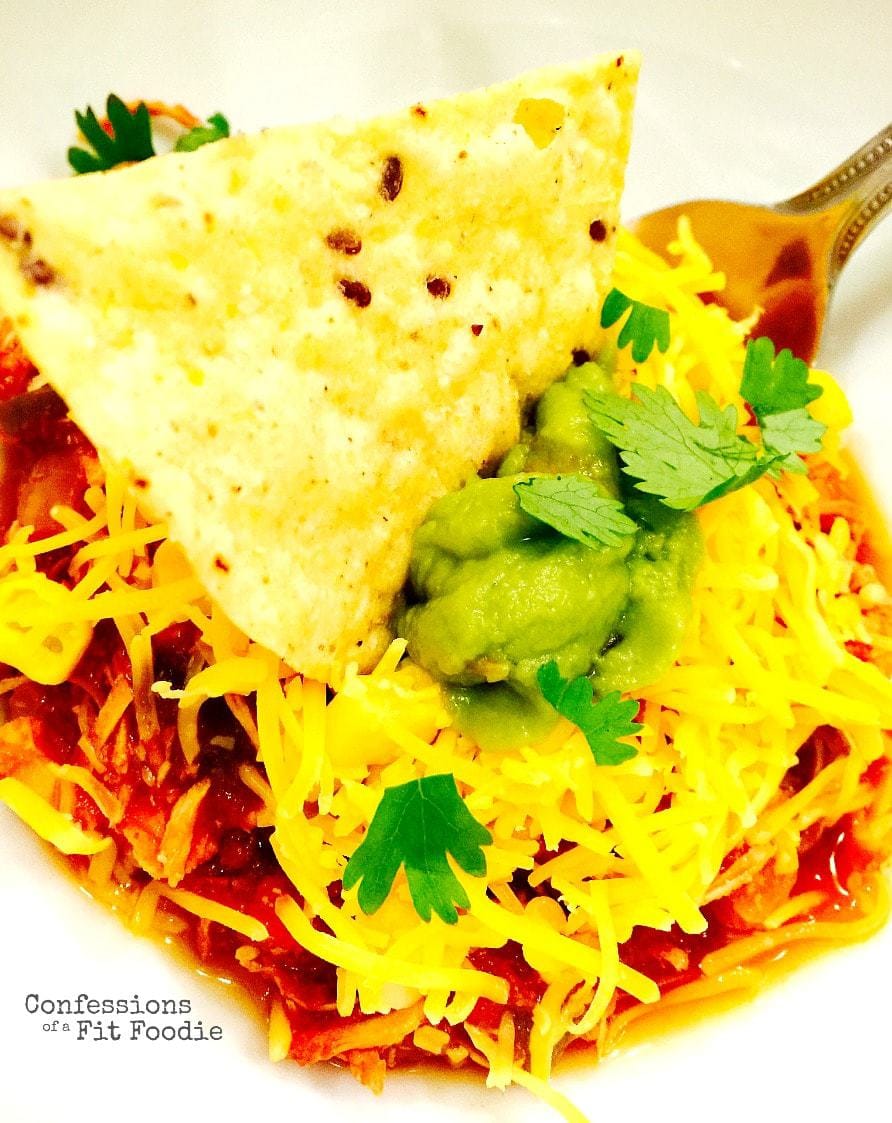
pixel 778 392
pixel 788 434
pixel 216 128
pixel 575 507
pixel 130 139
pixel 686 465
pixel 602 722
pixel 416 825
pixel 645 328
pixel 775 385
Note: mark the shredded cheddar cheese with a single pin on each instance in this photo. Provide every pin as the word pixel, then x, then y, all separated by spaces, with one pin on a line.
pixel 56 826
pixel 764 663
pixel 40 633
pixel 247 926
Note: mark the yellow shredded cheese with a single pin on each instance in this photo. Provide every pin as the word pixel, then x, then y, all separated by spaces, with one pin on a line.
pixel 763 664
pixel 279 1032
pixel 207 909
pixel 45 820
pixel 379 967
pixel 107 802
pixel 40 634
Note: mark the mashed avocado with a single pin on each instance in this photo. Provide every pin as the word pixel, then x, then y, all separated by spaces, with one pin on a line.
pixel 499 593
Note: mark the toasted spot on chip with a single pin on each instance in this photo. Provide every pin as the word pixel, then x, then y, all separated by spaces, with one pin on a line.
pixel 391 178
pixel 439 287
pixel 38 271
pixel 10 228
pixel 343 241
pixel 355 291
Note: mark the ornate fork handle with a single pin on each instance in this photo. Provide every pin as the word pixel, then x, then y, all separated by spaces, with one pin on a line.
pixel 864 181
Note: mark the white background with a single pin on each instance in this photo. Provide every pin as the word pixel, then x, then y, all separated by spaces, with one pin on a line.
pixel 749 101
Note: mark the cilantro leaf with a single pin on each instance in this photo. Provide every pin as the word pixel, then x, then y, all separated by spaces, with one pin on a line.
pixel 790 433
pixel 575 507
pixel 602 723
pixel 778 392
pixel 645 328
pixel 775 385
pixel 216 128
pixel 793 431
pixel 130 139
pixel 686 465
pixel 416 825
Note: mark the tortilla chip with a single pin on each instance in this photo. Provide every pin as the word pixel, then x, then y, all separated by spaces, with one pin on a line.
pixel 292 343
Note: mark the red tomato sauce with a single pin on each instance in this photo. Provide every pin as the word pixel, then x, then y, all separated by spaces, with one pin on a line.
pixel 232 860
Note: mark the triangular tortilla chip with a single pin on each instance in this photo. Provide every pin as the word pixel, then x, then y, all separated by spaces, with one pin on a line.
pixel 292 343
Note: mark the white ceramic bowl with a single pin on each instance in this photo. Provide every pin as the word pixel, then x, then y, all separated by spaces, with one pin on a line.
pixel 739 101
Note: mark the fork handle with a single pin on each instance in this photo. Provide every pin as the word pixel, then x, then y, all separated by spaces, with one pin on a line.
pixel 864 180
pixel 847 178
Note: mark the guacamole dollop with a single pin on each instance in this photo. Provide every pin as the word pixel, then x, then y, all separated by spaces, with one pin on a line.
pixel 495 594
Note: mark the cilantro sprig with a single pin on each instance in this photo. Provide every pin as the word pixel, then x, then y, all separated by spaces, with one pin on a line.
pixel 688 464
pixel 128 138
pixel 779 393
pixel 216 128
pixel 602 723
pixel 646 327
pixel 416 825
pixel 684 464
pixel 575 507
pixel 775 385
pixel 791 433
